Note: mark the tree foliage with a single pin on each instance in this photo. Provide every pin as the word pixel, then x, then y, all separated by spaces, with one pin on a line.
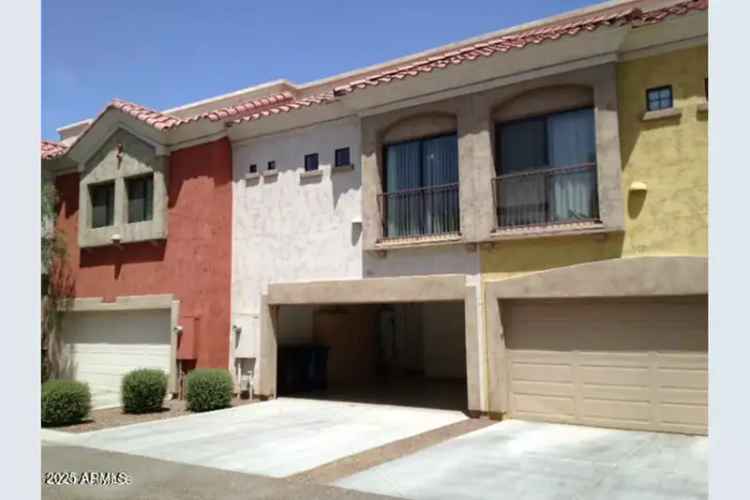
pixel 56 284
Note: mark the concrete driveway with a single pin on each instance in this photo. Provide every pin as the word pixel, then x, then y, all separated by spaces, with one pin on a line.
pixel 161 480
pixel 536 461
pixel 275 438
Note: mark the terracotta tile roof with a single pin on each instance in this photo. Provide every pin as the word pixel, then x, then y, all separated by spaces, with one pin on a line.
pixel 165 121
pixel 306 102
pixel 52 149
pixel 248 107
pixel 284 102
pixel 569 27
pixel 157 119
pixel 678 9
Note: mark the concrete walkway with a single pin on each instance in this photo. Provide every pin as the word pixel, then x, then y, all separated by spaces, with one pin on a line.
pixel 275 438
pixel 536 461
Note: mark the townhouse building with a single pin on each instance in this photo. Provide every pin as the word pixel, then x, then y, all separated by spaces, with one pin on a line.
pixel 513 225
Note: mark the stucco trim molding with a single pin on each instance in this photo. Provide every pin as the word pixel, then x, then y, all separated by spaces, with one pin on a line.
pixel 422 241
pixel 661 114
pixel 574 229
pixel 90 148
pixel 310 174
pixel 625 277
pixel 370 290
pixel 122 303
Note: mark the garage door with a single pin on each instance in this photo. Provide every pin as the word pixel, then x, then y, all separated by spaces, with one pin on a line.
pixel 638 364
pixel 100 347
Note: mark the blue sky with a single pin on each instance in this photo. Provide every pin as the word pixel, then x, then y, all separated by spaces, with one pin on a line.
pixel 167 53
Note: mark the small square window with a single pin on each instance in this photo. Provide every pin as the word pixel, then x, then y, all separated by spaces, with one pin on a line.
pixel 311 162
pixel 342 157
pixel 102 204
pixel 140 198
pixel 253 169
pixel 659 98
pixel 271 165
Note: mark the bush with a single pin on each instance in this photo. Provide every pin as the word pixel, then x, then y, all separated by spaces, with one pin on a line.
pixel 64 402
pixel 209 389
pixel 143 390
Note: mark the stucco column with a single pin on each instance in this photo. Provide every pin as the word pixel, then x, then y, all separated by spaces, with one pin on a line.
pixel 371 186
pixel 267 349
pixel 467 129
pixel 497 369
pixel 476 168
pixel 476 354
pixel 609 160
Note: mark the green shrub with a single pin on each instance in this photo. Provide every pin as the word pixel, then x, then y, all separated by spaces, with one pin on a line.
pixel 64 402
pixel 143 390
pixel 209 389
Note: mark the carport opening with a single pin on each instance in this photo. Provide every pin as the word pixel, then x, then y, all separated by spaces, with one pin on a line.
pixel 408 354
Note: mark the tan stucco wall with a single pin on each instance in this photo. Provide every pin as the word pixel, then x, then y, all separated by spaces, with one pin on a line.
pixel 630 277
pixel 668 155
pixel 663 249
pixel 370 291
pixel 475 117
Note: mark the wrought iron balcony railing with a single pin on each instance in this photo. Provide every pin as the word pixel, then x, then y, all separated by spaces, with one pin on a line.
pixel 426 211
pixel 548 196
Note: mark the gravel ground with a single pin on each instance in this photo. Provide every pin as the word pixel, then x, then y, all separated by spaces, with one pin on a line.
pixel 114 417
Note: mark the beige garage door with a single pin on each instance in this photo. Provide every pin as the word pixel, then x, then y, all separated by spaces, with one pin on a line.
pixel 638 364
pixel 100 347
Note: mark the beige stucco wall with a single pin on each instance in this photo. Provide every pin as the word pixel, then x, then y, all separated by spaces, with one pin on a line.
pixel 662 251
pixel 651 277
pixel 475 117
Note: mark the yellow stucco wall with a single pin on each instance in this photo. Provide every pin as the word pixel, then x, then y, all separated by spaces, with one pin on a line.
pixel 669 155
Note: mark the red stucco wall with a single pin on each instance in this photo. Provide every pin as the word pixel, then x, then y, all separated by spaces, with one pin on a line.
pixel 194 263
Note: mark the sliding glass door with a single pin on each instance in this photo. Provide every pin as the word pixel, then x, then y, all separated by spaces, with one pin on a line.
pixel 421 187
pixel 547 169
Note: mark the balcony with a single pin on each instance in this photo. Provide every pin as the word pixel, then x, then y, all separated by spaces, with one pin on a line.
pixel 551 196
pixel 420 212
